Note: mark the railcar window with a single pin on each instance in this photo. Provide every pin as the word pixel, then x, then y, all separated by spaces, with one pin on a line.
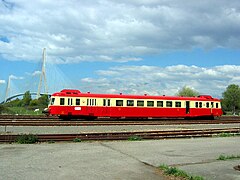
pixel 150 103
pixel 177 104
pixel 87 102
pixel 216 105
pixel 140 103
pixel 92 102
pixel 77 102
pixel 196 104
pixel 207 104
pixel 159 103
pixel 119 102
pixel 200 104
pixel 106 102
pixel 130 103
pixel 62 101
pixel 52 101
pixel 69 101
pixel 169 104
pixel 212 104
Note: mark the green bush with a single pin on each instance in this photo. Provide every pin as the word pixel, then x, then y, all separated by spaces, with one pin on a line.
pixel 27 139
pixel 134 138
pixel 5 110
pixel 77 140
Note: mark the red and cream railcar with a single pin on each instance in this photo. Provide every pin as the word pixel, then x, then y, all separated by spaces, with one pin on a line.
pixel 73 103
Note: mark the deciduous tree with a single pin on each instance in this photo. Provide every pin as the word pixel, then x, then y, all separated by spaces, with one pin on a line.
pixel 26 98
pixel 231 98
pixel 187 92
pixel 43 100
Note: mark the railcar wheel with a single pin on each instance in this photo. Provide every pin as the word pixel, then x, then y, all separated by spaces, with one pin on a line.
pixel 211 117
pixel 64 118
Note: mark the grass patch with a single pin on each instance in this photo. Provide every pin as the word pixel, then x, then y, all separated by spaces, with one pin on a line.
pixel 77 140
pixel 25 110
pixel 50 142
pixel 27 139
pixel 134 138
pixel 224 158
pixel 226 134
pixel 173 171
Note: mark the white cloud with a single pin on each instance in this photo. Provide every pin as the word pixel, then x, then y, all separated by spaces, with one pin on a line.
pixel 74 31
pixel 16 77
pixel 2 81
pixel 156 80
pixel 35 73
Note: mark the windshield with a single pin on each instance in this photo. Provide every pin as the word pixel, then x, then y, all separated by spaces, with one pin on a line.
pixel 52 101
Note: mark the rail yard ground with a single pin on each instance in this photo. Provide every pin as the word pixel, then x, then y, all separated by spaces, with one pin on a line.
pixel 120 159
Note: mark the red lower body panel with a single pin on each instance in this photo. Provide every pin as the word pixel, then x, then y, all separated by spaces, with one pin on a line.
pixel 145 112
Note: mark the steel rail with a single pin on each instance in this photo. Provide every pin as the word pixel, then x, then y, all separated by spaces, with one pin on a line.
pixel 42 117
pixel 106 123
pixel 17 122
pixel 126 135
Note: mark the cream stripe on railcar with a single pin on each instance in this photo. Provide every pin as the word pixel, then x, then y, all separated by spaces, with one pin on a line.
pixel 113 102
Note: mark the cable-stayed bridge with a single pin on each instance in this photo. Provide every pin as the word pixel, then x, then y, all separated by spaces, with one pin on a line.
pixel 35 83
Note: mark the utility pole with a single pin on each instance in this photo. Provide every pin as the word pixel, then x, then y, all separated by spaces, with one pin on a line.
pixel 43 75
pixel 8 88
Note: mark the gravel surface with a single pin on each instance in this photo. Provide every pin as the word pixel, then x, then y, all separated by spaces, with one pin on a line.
pixel 119 159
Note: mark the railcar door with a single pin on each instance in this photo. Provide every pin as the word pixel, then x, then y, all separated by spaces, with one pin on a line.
pixel 106 105
pixel 212 106
pixel 187 107
pixel 69 106
pixel 91 106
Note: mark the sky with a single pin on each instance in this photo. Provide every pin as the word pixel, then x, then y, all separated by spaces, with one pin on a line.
pixel 129 46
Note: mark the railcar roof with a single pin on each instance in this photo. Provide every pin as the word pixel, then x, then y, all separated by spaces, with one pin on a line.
pixel 77 93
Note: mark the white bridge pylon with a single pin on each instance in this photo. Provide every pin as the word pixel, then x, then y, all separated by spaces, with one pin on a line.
pixel 8 88
pixel 43 75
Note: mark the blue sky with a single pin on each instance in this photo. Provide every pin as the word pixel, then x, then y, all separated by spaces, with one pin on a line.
pixel 135 47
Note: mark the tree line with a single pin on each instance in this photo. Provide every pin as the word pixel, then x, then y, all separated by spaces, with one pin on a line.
pixel 28 101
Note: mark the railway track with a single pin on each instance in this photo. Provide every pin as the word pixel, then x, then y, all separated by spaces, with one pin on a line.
pixel 53 121
pixel 56 118
pixel 110 123
pixel 13 120
pixel 126 135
